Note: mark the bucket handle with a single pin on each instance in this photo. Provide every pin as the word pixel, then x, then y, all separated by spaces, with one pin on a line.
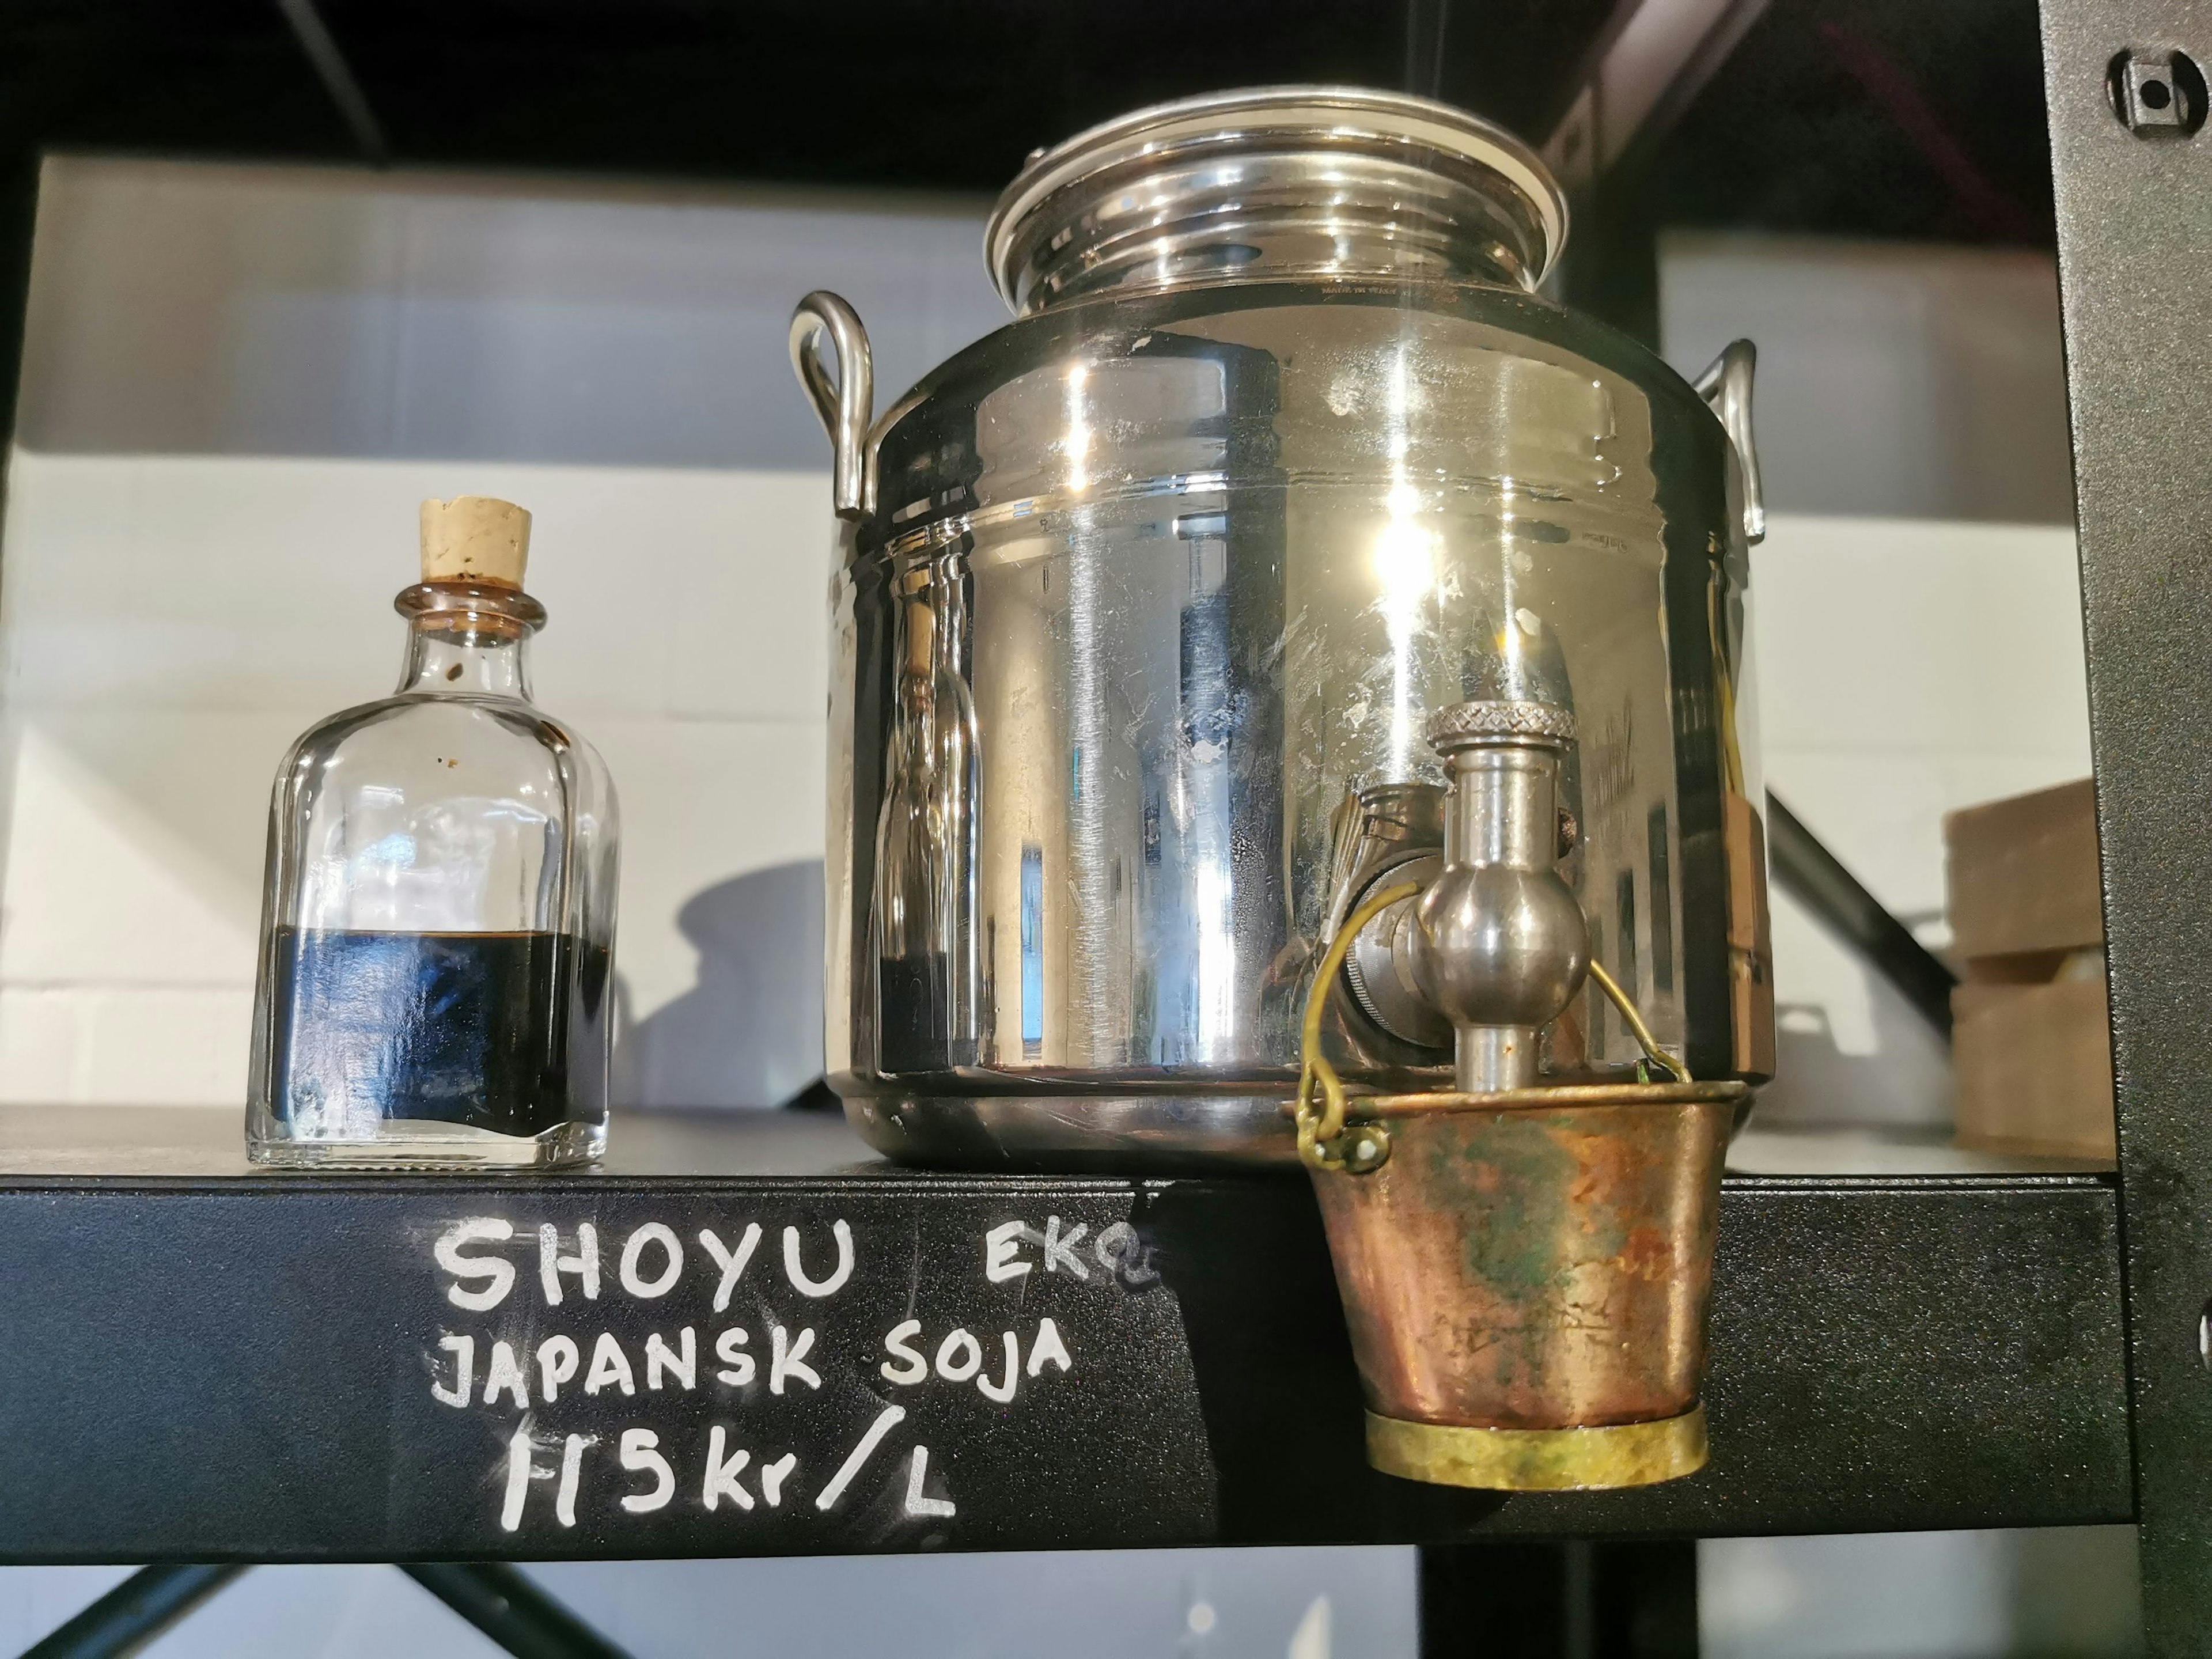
pixel 1326 1140
pixel 1726 387
pixel 1320 1122
pixel 845 402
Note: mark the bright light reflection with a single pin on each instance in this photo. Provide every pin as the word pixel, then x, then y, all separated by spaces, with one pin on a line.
pixel 1405 557
pixel 1216 962
pixel 1405 565
pixel 1078 429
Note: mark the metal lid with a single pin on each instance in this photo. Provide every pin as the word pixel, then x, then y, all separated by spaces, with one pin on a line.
pixel 1257 183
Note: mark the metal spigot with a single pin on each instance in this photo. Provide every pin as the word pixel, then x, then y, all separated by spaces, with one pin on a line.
pixel 1498 943
pixel 1625 1200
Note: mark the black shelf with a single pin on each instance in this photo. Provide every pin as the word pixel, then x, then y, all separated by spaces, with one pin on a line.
pixel 216 1363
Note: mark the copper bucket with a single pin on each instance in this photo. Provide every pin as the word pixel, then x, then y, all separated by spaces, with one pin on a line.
pixel 1525 1276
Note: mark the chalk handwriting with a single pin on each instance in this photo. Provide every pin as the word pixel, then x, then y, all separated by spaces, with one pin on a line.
pixel 497 1272
pixel 551 1264
pixel 717 1467
pixel 1117 1248
pixel 888 1419
pixel 917 1472
pixel 635 1278
pixel 796 1274
pixel 730 1262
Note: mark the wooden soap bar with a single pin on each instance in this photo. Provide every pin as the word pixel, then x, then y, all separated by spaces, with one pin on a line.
pixel 2031 1037
pixel 2034 1066
pixel 2022 874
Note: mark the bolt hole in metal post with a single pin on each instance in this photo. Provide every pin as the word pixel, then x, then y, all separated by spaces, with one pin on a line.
pixel 2156 93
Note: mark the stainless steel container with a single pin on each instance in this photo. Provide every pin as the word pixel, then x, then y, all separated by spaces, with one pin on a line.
pixel 1145 602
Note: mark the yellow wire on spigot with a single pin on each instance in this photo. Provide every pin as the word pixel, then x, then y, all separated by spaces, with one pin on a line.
pixel 1319 1130
pixel 1642 1032
pixel 1322 1126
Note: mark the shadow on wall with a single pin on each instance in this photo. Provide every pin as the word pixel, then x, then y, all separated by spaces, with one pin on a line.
pixel 1848 1049
pixel 1821 1077
pixel 750 1032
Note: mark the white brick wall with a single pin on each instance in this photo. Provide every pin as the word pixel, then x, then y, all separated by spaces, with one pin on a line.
pixel 1904 669
pixel 168 624
pixel 231 374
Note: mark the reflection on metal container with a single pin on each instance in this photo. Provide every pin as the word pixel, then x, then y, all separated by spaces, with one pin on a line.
pixel 1281 455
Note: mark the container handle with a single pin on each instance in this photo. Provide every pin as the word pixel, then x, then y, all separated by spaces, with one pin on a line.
pixel 1726 385
pixel 846 402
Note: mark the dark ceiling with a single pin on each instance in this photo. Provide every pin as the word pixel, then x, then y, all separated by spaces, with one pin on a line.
pixel 1911 119
pixel 1919 118
pixel 937 93
pixel 1884 116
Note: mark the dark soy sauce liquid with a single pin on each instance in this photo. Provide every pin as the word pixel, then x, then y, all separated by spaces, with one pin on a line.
pixel 474 1029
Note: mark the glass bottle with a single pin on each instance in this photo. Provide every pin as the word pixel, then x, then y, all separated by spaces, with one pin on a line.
pixel 438 918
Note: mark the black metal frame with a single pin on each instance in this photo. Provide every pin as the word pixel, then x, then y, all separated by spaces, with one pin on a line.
pixel 1912 1352
pixel 508 1607
pixel 1578 1600
pixel 1919 1352
pixel 497 1599
pixel 1817 879
pixel 2138 317
pixel 135 1612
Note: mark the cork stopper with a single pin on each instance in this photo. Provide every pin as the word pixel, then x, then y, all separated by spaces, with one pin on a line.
pixel 475 539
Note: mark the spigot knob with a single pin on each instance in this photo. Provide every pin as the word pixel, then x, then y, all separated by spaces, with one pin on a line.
pixel 1469 725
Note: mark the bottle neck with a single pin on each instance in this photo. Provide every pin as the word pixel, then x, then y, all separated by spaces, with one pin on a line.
pixel 467 640
pixel 443 660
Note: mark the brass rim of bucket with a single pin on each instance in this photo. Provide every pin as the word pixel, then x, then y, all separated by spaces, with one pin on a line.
pixel 1369 1107
pixel 1540 1460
